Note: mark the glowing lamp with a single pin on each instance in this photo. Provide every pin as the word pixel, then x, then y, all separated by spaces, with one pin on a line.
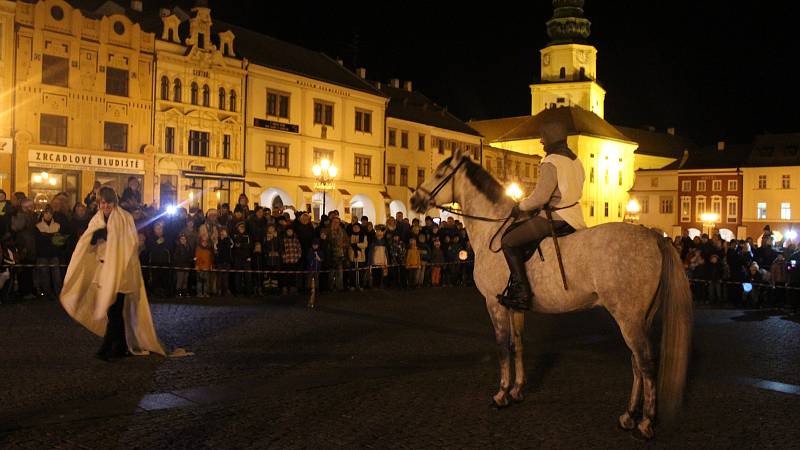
pixel 791 235
pixel 37 178
pixel 325 164
pixel 462 255
pixel 191 195
pixel 514 191
pixel 45 175
pixel 632 207
pixel 171 210
pixel 709 217
pixel 747 287
pixel 217 195
pixel 332 170
pixel 52 181
pixel 316 170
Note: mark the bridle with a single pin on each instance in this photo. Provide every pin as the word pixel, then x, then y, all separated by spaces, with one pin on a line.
pixel 438 188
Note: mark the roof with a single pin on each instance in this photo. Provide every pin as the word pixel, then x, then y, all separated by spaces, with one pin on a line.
pixel 733 156
pixel 494 128
pixel 652 143
pixel 415 107
pixel 577 119
pixel 775 150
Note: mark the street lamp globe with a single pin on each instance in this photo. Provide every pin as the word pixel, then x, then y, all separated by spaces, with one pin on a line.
pixel 632 207
pixel 316 170
pixel 514 191
pixel 332 171
pixel 325 164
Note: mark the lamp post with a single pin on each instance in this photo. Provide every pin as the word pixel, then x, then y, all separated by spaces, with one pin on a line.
pixel 632 211
pixel 709 221
pixel 324 173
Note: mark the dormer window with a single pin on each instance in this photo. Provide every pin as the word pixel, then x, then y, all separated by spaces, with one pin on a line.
pixel 194 93
pixel 226 49
pixel 164 88
pixel 176 90
pixel 222 98
pixel 201 40
pixel 233 101
pixel 206 96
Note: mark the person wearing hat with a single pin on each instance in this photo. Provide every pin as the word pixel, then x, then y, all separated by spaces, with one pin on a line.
pixel 241 254
pixel 559 187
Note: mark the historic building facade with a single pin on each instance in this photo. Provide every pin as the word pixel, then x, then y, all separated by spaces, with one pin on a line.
pixel 6 92
pixel 83 100
pixel 199 111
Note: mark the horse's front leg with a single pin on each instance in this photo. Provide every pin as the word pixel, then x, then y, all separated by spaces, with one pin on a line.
pixel 501 320
pixel 517 329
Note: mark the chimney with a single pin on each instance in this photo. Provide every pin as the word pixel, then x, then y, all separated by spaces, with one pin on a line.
pixel 395 83
pixel 165 12
pixel 408 86
pixel 362 73
pixel 720 146
pixel 136 5
pixel 671 131
pixel 340 61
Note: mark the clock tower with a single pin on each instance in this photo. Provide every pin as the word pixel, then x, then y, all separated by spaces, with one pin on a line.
pixel 568 63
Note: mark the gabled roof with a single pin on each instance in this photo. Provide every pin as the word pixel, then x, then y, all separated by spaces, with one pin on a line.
pixel 415 107
pixel 577 120
pixel 775 150
pixel 733 156
pixel 492 129
pixel 652 143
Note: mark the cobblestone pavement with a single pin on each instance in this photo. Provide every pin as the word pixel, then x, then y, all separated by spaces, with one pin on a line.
pixel 380 369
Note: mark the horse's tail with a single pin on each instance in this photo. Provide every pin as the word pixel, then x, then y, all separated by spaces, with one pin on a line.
pixel 675 297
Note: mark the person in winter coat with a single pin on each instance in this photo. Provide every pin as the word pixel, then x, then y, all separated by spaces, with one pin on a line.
pixel 398 261
pixel 223 260
pixel 337 254
pixel 272 249
pixel 23 225
pixel 357 256
pixel 6 212
pixel 378 255
pixel 159 254
pixel 203 264
pixel 314 260
pixel 48 245
pixel 423 274
pixel 454 269
pixel 413 263
pixel 713 275
pixel 292 257
pixel 257 226
pixel 183 258
pixel 242 253
pixel 437 261
pixel 755 276
pixel 779 276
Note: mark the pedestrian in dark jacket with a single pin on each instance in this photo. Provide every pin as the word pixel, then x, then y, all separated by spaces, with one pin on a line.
pixel 49 242
pixel 159 256
pixel 223 260
pixel 242 252
pixel 272 249
pixel 292 259
pixel 183 259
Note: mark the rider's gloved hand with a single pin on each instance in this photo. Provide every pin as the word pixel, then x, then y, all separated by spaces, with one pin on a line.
pixel 515 211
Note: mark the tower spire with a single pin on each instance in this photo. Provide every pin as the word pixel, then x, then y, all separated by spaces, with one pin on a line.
pixel 568 26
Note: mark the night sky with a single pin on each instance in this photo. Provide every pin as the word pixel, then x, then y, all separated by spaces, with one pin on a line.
pixel 712 70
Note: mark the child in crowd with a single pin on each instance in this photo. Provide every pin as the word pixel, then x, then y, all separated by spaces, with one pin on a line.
pixel 437 261
pixel 182 256
pixel 242 252
pixel 203 263
pixel 424 257
pixel 398 261
pixel 272 249
pixel 292 252
pixel 314 264
pixel 378 255
pixel 223 260
pixel 413 262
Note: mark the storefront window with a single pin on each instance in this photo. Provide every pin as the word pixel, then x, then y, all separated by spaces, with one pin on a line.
pixel 169 191
pixel 117 181
pixel 45 184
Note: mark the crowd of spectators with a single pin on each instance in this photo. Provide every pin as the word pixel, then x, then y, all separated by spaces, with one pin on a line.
pixel 742 273
pixel 230 251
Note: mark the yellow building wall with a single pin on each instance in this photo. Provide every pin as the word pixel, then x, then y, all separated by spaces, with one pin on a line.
pixel 6 93
pixel 650 162
pixel 649 190
pixel 572 58
pixel 773 195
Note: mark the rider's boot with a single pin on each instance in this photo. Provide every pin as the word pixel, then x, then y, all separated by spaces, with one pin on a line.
pixel 518 294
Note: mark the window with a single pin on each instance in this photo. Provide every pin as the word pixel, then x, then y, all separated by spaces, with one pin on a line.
pixel 489 164
pixel 733 185
pixel 277 155
pixel 176 90
pixel 654 182
pixel 115 137
pixel 761 213
pixel 527 170
pixel 404 176
pixel 562 74
pixel 222 98
pixel 517 169
pixel 619 178
pixel 666 205
pixel 591 175
pixel 701 185
pixel 420 176
pixel 206 96
pixel 619 209
pixel 392 137
pixel 53 130
pixel 686 185
pixel 323 113
pixel 686 209
pixel 364 121
pixel 786 182
pixel 644 205
pixel 198 143
pixel 421 145
pixel 116 82
pixel 716 205
pixel 786 211
pixel 278 104
pixel 169 140
pixel 440 145
pixel 362 166
pixel 201 40
pixel 733 209
pixel 404 139
pixel 320 154
pixel 606 209
pixel 233 101
pixel 591 210
pixel 226 146
pixel 762 181
pixel 716 185
pixel 194 93
pixel 700 206
pixel 164 88
pixel 390 175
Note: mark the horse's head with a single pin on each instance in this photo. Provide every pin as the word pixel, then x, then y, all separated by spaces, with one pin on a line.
pixel 440 190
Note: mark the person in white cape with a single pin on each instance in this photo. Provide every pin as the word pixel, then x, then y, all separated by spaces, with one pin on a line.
pixel 104 290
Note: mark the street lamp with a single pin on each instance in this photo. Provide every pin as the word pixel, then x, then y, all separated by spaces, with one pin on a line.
pixel 632 211
pixel 324 173
pixel 709 221
pixel 514 191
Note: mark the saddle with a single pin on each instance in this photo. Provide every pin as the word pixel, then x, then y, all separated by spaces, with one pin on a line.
pixel 533 247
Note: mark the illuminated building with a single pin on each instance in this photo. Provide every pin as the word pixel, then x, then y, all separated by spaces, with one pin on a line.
pixel 6 92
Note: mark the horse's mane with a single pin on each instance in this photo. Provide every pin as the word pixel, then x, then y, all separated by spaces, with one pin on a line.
pixel 484 181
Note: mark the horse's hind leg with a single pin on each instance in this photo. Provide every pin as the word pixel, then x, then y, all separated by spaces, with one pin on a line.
pixel 643 383
pixel 517 329
pixel 502 331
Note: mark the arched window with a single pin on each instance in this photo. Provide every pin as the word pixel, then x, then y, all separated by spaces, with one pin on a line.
pixel 177 89
pixel 233 101
pixel 563 73
pixel 194 93
pixel 206 96
pixel 583 73
pixel 164 88
pixel 222 98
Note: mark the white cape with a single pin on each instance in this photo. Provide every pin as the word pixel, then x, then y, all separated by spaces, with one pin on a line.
pixel 97 273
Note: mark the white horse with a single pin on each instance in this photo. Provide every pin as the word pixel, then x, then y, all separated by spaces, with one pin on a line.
pixel 629 270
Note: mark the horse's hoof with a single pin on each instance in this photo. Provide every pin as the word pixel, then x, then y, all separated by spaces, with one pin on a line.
pixel 626 422
pixel 644 431
pixel 500 401
pixel 519 397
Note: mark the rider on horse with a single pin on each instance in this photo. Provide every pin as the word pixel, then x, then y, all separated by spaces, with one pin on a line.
pixel 557 194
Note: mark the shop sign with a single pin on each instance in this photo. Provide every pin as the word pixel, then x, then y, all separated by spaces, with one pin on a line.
pixel 280 126
pixel 6 146
pixel 84 161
